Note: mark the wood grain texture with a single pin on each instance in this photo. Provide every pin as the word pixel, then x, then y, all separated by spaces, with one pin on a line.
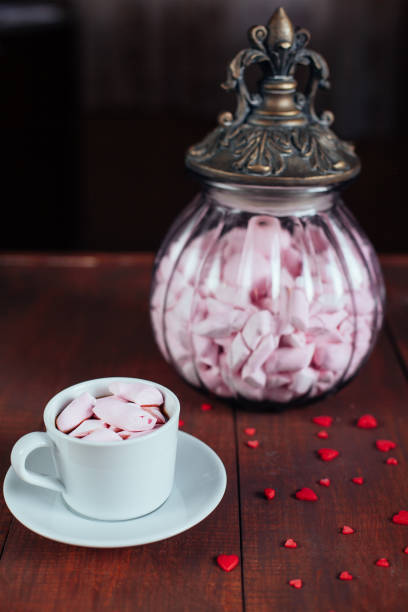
pixel 64 323
pixel 395 268
pixel 69 318
pixel 286 460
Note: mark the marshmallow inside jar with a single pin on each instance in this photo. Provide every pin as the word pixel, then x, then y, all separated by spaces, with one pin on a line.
pixel 272 297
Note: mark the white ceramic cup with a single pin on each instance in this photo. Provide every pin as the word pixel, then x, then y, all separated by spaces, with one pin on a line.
pixel 105 480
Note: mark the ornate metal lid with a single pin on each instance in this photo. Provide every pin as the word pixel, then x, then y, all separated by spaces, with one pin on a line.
pixel 275 137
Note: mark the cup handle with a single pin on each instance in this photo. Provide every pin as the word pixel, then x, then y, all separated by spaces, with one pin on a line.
pixel 22 448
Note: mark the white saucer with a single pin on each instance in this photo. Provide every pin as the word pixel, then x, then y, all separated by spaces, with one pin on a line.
pixel 200 482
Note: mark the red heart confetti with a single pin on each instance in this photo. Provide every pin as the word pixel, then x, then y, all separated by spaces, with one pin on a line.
pixel 296 583
pixel 322 434
pixel 359 480
pixel 181 423
pixel 306 494
pixel 290 543
pixel 367 421
pixel 252 443
pixel 401 518
pixel 227 562
pixel 391 461
pixel 385 445
pixel 327 454
pixel 323 421
pixel 269 493
pixel 346 530
pixel 206 407
pixel 345 576
pixel 325 482
pixel 383 562
pixel 250 431
pixel 405 550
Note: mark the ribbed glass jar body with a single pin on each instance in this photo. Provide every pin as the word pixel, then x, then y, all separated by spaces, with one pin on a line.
pixel 268 295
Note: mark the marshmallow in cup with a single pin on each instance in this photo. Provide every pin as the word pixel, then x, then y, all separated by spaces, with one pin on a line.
pixel 108 479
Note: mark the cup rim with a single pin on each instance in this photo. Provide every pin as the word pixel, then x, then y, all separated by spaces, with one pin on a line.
pixel 49 419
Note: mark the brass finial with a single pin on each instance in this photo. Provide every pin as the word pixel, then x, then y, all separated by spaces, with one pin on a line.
pixel 281 30
pixel 276 137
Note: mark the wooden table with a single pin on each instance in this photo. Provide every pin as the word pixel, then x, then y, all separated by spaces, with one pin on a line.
pixel 76 317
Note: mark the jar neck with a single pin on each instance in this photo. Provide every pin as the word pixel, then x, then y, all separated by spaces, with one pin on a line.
pixel 279 201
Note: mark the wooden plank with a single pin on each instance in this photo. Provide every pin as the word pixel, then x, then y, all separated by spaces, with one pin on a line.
pixel 62 324
pixel 286 460
pixel 74 260
pixel 395 268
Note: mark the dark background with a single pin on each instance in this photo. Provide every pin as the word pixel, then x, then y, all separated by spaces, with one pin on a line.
pixel 99 100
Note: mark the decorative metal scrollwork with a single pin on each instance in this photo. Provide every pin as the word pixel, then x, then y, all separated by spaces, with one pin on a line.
pixel 260 139
pixel 278 49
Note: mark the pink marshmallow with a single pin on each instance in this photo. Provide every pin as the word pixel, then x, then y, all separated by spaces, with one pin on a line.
pixel 298 309
pixel 125 415
pixel 210 376
pixel 302 380
pixel 333 357
pixel 149 397
pixel 206 350
pixel 238 353
pixel 262 353
pixel 102 435
pixel 86 427
pixel 77 411
pixel 138 392
pixel 258 325
pixel 278 380
pixel 128 435
pixel 329 321
pixel 364 302
pixel 290 359
pixel 156 413
pixel 255 378
pixel 249 390
pixel 294 340
pixel 231 295
pixel 292 261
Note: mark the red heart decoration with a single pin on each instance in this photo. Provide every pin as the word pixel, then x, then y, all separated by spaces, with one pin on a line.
pixel 181 423
pixel 306 494
pixel 345 576
pixel 401 518
pixel 391 461
pixel 269 493
pixel 290 543
pixel 382 562
pixel 385 445
pixel 346 530
pixel 206 407
pixel 322 434
pixel 250 431
pixel 358 480
pixel 405 550
pixel 367 421
pixel 227 562
pixel 252 443
pixel 324 421
pixel 325 482
pixel 296 583
pixel 327 454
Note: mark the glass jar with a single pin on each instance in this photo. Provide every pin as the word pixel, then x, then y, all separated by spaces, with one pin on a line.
pixel 267 294
pixel 266 289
